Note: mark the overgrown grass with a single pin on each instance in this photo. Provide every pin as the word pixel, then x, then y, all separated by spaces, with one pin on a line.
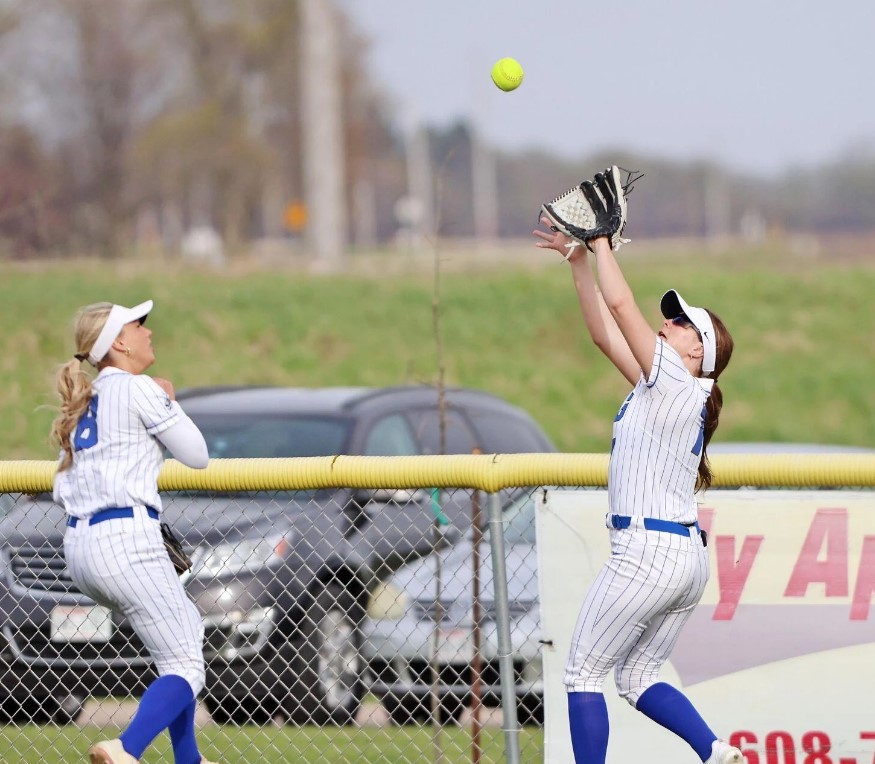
pixel 800 372
pixel 34 744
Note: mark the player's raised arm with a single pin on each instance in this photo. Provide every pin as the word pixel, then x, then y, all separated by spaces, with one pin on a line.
pixel 595 211
pixel 640 337
pixel 600 324
pixel 182 438
pixel 186 442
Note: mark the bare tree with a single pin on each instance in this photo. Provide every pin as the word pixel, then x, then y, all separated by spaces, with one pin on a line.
pixel 211 147
pixel 82 83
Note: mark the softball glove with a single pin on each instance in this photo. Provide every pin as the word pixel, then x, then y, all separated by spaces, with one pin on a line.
pixel 181 561
pixel 593 209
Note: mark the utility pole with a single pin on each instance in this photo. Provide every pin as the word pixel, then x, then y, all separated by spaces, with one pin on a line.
pixel 323 158
pixel 420 182
pixel 485 190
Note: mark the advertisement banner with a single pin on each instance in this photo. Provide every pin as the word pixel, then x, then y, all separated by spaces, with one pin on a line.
pixel 778 657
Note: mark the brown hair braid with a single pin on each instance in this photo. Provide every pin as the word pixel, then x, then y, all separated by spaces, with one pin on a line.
pixel 714 403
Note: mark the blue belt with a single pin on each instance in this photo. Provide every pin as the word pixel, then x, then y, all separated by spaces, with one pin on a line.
pixel 111 514
pixel 654 524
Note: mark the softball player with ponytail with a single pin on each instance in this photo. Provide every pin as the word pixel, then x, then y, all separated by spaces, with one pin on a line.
pixel 634 611
pixel 110 432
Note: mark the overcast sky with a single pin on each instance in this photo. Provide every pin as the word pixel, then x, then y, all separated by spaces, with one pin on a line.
pixel 755 84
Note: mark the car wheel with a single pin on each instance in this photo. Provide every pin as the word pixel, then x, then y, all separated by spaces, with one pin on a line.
pixel 52 709
pixel 410 709
pixel 530 709
pixel 64 709
pixel 451 708
pixel 405 709
pixel 226 709
pixel 11 710
pixel 328 688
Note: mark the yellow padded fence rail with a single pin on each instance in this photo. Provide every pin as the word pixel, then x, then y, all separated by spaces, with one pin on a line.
pixel 488 472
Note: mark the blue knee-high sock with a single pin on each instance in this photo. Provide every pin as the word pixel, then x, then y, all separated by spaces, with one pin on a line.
pixel 162 702
pixel 588 718
pixel 181 731
pixel 670 708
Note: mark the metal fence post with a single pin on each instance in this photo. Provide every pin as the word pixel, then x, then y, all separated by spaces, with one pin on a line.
pixel 502 624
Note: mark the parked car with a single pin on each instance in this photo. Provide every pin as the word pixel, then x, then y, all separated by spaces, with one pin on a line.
pixel 412 619
pixel 281 578
pixel 415 627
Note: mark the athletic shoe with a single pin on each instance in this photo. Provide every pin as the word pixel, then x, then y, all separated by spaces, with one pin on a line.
pixel 110 752
pixel 723 753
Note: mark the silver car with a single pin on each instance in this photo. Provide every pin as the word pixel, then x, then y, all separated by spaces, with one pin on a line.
pixel 420 636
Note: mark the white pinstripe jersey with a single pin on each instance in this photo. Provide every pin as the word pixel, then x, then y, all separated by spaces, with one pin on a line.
pixel 657 444
pixel 116 456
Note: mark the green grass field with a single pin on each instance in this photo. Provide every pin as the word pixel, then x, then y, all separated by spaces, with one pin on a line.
pixel 800 373
pixel 389 745
pixel 803 344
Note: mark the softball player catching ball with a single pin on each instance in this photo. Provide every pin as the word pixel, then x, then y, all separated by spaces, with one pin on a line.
pixel 634 611
pixel 111 431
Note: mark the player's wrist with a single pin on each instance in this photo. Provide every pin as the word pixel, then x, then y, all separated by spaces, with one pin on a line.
pixel 572 251
pixel 600 245
pixel 576 256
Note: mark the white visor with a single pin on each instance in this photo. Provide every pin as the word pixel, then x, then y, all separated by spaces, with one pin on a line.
pixel 673 305
pixel 118 316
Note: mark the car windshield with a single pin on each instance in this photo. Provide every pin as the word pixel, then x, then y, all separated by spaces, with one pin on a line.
pixel 247 436
pixel 7 502
pixel 519 520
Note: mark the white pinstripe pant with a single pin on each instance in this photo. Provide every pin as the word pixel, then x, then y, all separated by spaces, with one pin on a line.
pixel 635 609
pixel 123 565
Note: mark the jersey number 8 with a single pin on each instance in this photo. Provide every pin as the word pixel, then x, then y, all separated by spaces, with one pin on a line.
pixel 86 429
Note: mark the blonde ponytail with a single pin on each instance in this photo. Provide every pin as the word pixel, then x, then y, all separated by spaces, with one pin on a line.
pixel 74 390
pixel 72 383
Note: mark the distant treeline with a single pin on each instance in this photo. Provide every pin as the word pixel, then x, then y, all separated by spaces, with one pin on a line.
pixel 126 124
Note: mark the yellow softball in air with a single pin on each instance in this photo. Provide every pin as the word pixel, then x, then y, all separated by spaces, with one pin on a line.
pixel 507 74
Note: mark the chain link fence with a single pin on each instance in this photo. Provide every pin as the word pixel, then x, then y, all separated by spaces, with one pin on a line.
pixel 344 620
pixel 359 624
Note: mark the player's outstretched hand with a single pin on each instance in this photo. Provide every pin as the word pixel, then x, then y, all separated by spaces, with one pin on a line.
pixel 167 386
pixel 566 246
